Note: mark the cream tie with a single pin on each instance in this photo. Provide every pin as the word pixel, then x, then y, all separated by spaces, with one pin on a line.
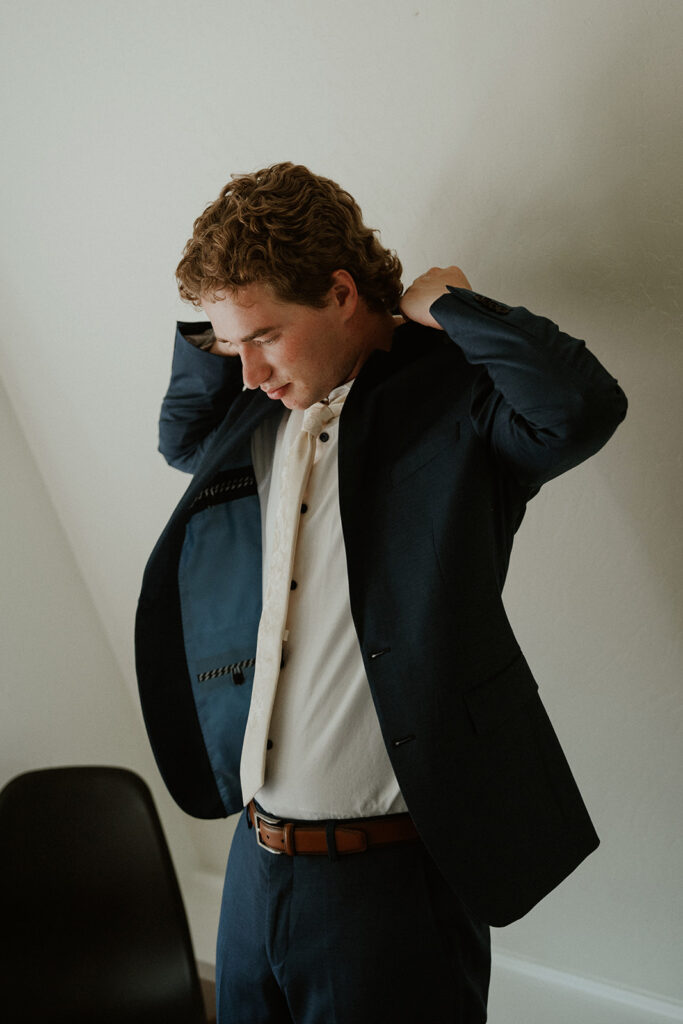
pixel 271 633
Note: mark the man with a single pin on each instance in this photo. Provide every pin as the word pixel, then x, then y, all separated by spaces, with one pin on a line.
pixel 320 635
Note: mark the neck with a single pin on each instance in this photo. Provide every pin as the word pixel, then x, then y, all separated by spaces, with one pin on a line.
pixel 369 331
pixel 375 330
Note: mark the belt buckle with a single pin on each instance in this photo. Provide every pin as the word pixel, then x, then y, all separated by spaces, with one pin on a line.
pixel 267 820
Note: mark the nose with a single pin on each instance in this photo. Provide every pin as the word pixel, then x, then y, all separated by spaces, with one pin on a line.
pixel 255 369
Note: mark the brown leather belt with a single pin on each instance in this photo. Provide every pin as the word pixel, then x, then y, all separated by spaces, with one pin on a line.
pixel 353 836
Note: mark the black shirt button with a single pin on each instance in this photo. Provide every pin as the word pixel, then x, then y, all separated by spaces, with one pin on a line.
pixel 324 436
pixel 269 745
pixel 304 507
pixel 293 585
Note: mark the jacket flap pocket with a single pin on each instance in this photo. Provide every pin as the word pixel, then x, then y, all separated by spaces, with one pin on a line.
pixel 232 666
pixel 490 703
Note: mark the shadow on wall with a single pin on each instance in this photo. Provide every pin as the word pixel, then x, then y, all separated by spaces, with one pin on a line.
pixel 612 237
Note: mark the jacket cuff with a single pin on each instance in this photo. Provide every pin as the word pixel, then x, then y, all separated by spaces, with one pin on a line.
pixel 469 301
pixel 191 360
pixel 199 333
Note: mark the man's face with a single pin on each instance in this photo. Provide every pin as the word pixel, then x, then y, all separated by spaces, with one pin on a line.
pixel 294 353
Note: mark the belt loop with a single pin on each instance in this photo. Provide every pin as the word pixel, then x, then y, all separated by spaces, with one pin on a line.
pixel 288 836
pixel 332 851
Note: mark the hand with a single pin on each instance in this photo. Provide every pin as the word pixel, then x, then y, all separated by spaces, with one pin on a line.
pixel 222 348
pixel 426 289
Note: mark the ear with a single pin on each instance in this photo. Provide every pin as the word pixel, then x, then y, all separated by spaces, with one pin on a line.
pixel 343 292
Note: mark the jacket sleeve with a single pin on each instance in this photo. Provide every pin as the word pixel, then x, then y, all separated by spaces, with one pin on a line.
pixel 203 387
pixel 544 402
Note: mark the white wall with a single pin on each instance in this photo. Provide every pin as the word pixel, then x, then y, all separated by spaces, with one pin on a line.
pixel 537 145
pixel 63 698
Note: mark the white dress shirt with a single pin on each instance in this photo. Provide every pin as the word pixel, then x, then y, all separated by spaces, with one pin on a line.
pixel 328 758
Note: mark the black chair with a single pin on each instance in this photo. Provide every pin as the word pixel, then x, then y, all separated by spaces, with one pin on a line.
pixel 92 922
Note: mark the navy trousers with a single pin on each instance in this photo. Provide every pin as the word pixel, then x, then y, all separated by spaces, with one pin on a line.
pixel 365 938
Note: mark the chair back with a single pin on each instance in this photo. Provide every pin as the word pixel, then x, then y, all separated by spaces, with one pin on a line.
pixel 92 922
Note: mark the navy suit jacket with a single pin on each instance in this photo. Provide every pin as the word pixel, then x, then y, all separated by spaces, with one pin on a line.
pixel 442 441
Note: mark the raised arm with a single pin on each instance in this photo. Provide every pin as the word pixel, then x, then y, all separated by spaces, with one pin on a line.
pixel 203 386
pixel 545 403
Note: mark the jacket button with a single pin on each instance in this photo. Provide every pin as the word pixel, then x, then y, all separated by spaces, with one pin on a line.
pixel 492 304
pixel 293 585
pixel 304 508
pixel 324 436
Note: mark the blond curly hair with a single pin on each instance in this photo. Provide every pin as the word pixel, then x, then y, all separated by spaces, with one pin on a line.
pixel 289 228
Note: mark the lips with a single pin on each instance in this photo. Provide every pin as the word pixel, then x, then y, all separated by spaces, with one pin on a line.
pixel 275 393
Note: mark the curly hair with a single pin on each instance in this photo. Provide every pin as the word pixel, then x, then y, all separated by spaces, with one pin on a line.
pixel 289 228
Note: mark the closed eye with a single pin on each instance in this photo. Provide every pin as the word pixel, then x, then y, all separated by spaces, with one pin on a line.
pixel 234 348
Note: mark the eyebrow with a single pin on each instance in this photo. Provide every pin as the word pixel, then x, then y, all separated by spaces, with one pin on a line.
pixel 249 337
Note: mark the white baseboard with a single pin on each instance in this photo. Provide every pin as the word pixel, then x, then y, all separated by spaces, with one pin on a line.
pixel 526 992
